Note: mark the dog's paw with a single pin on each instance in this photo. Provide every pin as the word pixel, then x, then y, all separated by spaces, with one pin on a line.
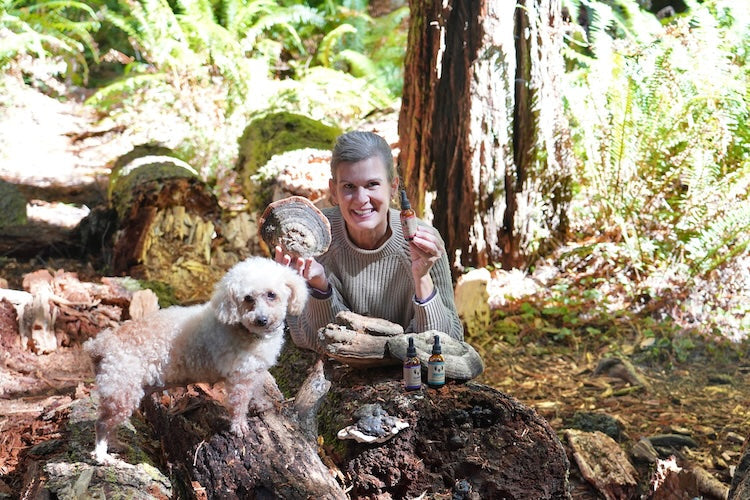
pixel 104 458
pixel 239 427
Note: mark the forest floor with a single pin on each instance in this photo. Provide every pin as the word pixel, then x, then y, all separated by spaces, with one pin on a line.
pixel 542 350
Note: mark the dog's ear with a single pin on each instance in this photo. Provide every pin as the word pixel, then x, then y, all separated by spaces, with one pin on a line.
pixel 297 292
pixel 224 304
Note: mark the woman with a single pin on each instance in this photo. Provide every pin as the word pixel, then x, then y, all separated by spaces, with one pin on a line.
pixel 370 268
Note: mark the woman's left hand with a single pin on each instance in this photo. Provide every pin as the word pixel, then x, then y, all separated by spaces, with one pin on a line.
pixel 425 249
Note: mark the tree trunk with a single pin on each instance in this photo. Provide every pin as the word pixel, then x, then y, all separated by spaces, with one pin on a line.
pixel 483 141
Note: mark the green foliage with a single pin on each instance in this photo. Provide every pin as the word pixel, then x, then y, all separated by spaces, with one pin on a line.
pixel 48 29
pixel 661 131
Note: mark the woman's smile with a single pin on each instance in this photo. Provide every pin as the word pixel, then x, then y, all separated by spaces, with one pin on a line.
pixel 363 194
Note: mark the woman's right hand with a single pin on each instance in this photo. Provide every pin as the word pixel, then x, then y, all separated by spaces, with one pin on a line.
pixel 310 269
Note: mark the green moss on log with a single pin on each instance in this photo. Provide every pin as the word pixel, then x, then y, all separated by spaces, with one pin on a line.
pixel 12 205
pixel 142 170
pixel 277 133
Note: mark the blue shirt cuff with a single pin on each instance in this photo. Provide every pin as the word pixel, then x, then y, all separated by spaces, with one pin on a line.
pixel 424 301
pixel 321 294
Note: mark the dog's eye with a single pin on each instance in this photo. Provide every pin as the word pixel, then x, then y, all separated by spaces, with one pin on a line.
pixel 249 299
pixel 271 295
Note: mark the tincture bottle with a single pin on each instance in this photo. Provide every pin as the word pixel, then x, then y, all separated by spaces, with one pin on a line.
pixel 408 218
pixel 436 366
pixel 412 368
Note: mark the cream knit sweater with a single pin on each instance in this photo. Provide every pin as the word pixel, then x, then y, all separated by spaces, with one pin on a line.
pixel 376 283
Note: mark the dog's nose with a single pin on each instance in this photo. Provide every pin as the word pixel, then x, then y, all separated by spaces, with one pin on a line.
pixel 261 321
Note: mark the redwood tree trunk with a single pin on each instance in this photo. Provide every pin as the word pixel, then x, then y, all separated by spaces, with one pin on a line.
pixel 483 140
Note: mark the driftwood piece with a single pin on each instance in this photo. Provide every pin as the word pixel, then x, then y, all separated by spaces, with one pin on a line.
pixel 367 324
pixel 603 464
pixel 354 348
pixel 272 460
pixel 38 319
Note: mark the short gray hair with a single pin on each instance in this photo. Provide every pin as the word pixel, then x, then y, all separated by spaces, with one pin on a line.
pixel 355 146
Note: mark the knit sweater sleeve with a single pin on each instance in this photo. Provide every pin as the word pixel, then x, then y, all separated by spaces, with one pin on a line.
pixel 318 313
pixel 439 312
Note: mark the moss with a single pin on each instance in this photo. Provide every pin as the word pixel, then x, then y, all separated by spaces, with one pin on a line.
pixel 164 292
pixel 292 368
pixel 12 205
pixel 139 171
pixel 273 134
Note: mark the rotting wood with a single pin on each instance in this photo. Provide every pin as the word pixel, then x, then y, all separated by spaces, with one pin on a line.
pixel 603 464
pixel 273 458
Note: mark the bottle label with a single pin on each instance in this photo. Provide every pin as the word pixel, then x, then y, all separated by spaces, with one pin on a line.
pixel 412 376
pixel 436 373
pixel 409 226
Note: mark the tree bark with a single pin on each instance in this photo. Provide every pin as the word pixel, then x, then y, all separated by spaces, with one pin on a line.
pixel 274 459
pixel 461 437
pixel 483 141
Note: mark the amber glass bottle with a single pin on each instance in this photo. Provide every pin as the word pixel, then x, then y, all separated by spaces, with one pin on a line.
pixel 408 218
pixel 412 368
pixel 436 366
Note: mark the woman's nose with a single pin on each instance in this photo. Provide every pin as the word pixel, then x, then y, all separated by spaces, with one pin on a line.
pixel 360 194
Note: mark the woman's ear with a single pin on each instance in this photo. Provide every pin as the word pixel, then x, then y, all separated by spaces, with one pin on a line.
pixel 332 192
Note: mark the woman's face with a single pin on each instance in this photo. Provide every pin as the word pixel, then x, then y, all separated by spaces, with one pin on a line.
pixel 363 194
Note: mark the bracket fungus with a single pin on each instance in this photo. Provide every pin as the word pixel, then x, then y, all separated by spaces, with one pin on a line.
pixel 374 425
pixel 297 226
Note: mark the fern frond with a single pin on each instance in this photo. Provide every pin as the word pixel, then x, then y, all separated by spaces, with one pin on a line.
pixel 327 46
pixel 116 92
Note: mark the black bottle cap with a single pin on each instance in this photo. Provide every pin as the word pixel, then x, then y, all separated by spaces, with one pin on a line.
pixel 436 349
pixel 405 205
pixel 411 351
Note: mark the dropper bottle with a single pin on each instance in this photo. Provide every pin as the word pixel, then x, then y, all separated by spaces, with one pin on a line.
pixel 412 368
pixel 436 366
pixel 408 218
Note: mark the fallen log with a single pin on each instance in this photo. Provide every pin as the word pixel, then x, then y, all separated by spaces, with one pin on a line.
pixel 166 219
pixel 463 437
pixel 272 460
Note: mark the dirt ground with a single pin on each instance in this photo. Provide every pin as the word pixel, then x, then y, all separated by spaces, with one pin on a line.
pixel 706 396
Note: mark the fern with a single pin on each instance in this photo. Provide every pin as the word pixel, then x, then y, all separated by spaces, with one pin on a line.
pixel 54 28
pixel 663 142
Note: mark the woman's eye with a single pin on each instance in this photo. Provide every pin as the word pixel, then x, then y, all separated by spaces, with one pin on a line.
pixel 271 295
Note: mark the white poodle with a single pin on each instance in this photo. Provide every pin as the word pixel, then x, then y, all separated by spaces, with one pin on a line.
pixel 232 338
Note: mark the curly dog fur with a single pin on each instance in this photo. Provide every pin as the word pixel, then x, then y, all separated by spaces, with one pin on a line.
pixel 232 338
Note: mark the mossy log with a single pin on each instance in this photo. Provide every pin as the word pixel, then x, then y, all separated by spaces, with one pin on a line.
pixel 167 220
pixel 274 459
pixel 273 134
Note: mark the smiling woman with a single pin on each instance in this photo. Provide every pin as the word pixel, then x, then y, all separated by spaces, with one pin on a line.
pixel 370 268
